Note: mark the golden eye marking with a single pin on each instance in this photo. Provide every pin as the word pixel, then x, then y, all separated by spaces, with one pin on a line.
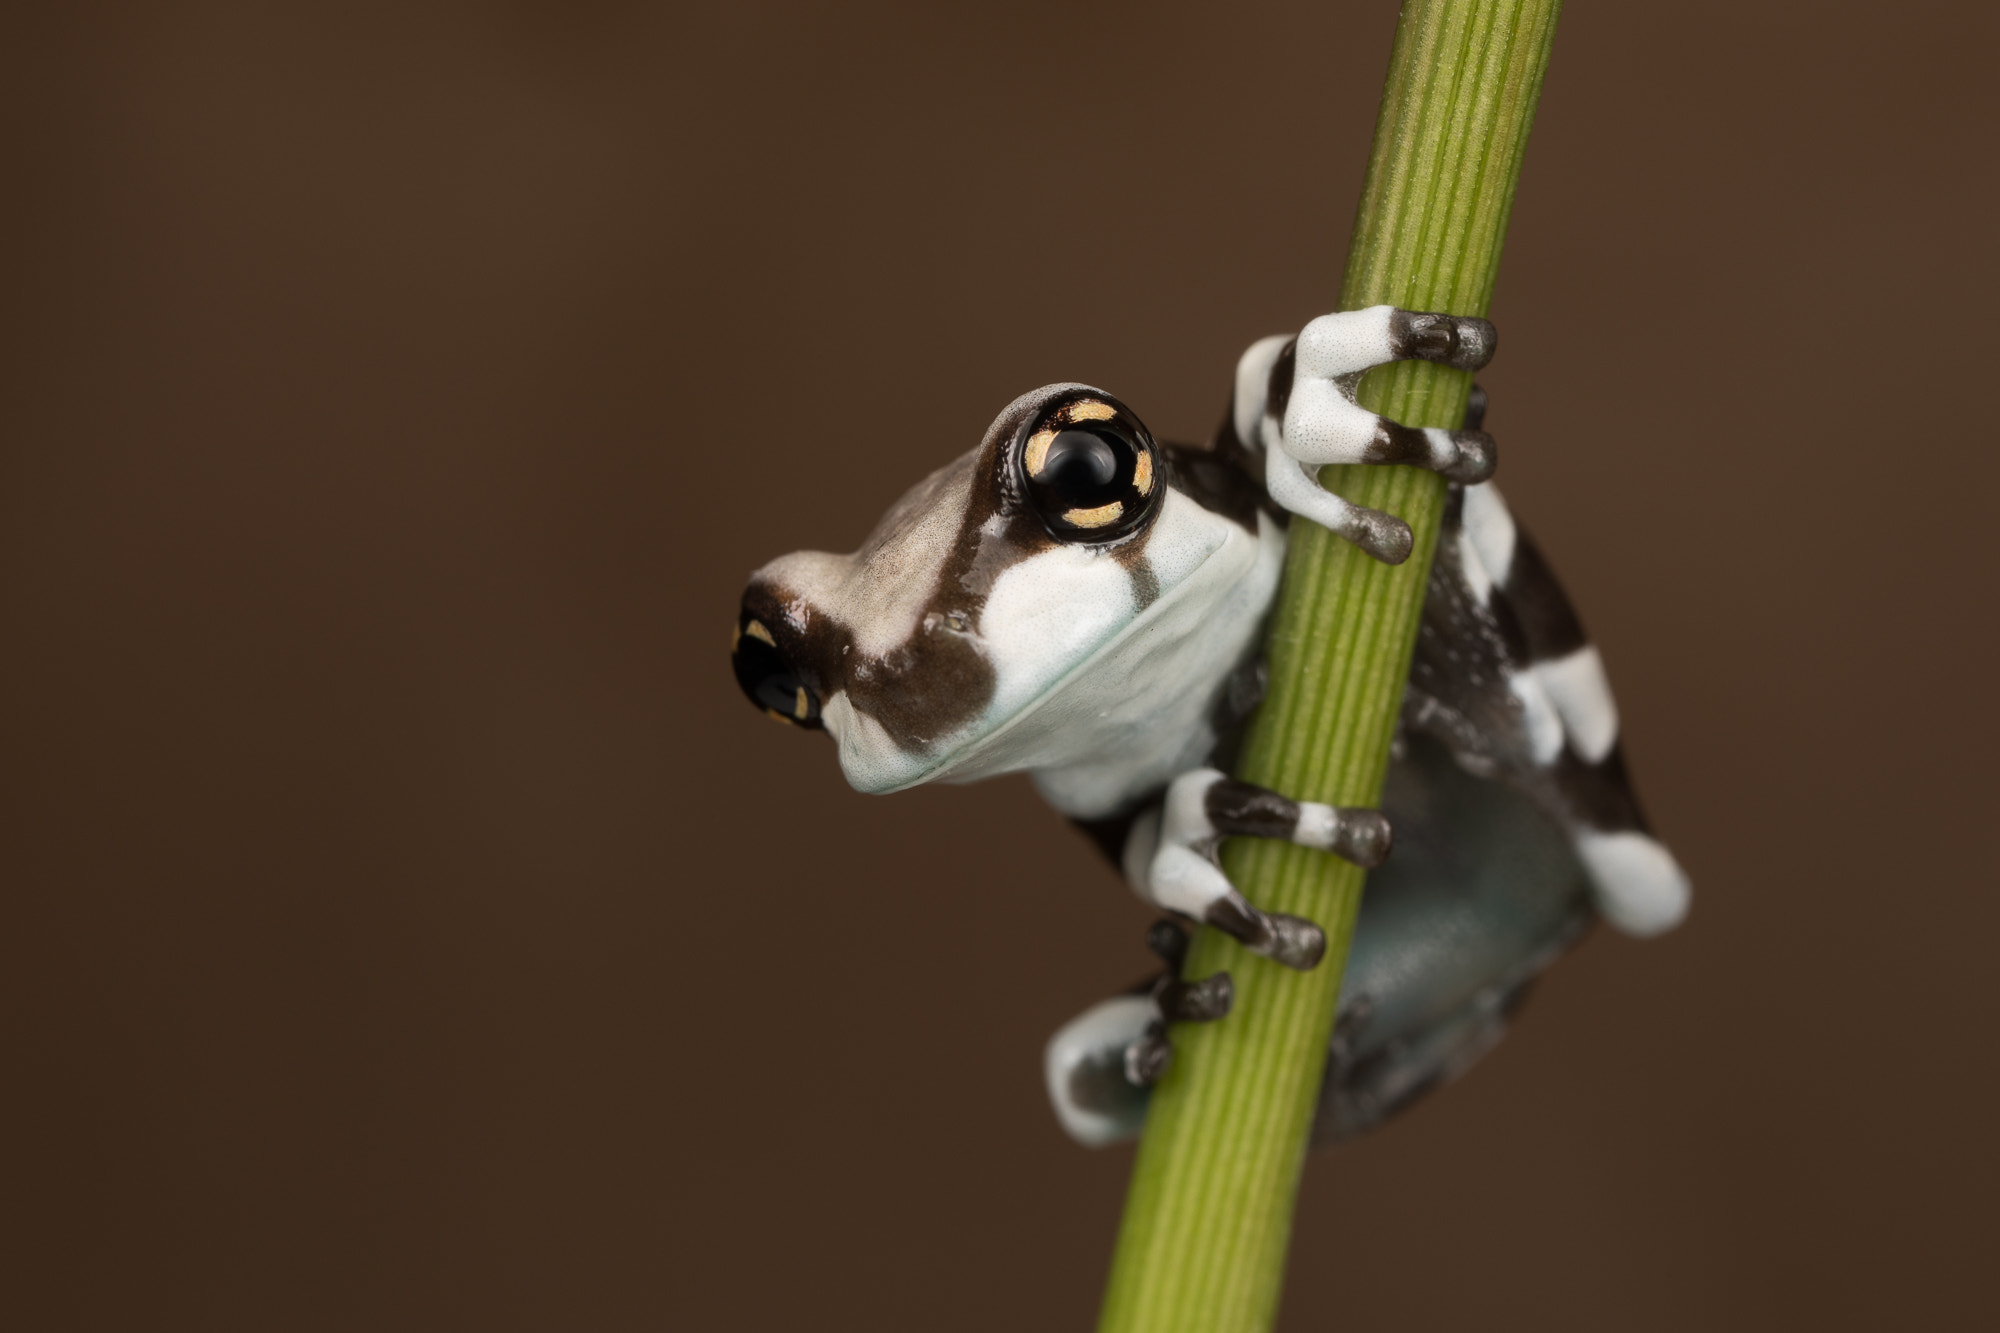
pixel 1088 410
pixel 800 709
pixel 776 716
pixel 1038 451
pixel 1094 518
pixel 1142 474
pixel 755 629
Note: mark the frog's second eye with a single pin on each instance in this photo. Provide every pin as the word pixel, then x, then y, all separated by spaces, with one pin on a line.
pixel 1090 470
pixel 768 679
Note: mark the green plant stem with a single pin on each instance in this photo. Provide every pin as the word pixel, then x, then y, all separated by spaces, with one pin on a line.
pixel 1208 1218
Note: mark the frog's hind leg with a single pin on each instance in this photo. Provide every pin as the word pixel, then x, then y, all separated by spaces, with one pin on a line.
pixel 1101 1064
pixel 1504 674
pixel 1363 1091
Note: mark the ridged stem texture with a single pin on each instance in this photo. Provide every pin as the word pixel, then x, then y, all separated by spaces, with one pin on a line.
pixel 1208 1218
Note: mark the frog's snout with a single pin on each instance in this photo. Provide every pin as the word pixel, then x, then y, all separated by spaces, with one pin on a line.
pixel 768 677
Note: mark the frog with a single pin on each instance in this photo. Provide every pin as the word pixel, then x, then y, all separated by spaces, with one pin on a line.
pixel 1074 599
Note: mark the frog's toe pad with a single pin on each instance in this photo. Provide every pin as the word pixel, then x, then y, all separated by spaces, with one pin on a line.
pixel 1477 458
pixel 1463 342
pixel 1295 942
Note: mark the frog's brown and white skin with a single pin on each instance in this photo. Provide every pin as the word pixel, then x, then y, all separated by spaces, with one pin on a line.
pixel 1073 599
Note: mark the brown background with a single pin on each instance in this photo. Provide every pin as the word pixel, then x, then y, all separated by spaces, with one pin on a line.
pixel 407 926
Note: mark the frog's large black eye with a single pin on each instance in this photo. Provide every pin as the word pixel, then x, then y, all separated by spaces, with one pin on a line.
pixel 1090 469
pixel 768 679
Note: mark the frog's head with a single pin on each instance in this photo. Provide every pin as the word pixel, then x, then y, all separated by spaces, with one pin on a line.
pixel 982 593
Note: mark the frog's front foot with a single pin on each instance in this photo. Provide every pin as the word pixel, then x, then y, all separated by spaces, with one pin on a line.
pixel 1295 398
pixel 1170 856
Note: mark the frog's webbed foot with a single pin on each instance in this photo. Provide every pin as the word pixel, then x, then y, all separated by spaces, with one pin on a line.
pixel 1295 398
pixel 1170 856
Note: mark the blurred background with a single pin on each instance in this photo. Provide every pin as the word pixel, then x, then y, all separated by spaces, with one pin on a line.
pixel 408 926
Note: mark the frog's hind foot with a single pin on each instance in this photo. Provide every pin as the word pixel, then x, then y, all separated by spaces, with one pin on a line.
pixel 1174 1000
pixel 1101 1065
pixel 1296 399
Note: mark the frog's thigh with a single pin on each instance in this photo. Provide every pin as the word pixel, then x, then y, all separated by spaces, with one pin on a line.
pixel 1359 1095
pixel 1504 672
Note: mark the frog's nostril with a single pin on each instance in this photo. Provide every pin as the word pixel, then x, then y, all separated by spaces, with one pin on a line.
pixel 767 679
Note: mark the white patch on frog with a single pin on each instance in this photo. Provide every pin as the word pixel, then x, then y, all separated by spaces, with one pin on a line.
pixel 1183 880
pixel 870 759
pixel 1345 342
pixel 1472 569
pixel 1253 385
pixel 1318 825
pixel 1105 720
pixel 1577 687
pixel 880 591
pixel 1490 528
pixel 1141 841
pixel 1539 718
pixel 1639 886
pixel 1140 713
pixel 1099 1035
pixel 1047 613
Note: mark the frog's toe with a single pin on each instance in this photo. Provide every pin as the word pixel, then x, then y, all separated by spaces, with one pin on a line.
pixel 1295 942
pixel 1463 342
pixel 1201 1001
pixel 1295 487
pixel 1291 940
pixel 1477 458
pixel 1146 1059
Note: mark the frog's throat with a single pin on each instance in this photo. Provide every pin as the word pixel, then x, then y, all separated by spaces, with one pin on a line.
pixel 956 758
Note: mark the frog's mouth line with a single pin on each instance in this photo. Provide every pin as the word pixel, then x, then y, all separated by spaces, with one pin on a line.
pixel 963 749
